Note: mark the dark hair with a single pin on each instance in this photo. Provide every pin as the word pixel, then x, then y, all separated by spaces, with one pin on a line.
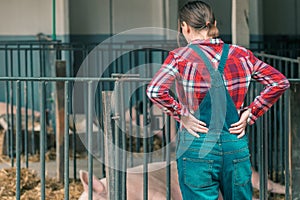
pixel 198 15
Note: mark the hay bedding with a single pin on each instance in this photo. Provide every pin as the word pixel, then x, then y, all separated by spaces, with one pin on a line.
pixel 30 186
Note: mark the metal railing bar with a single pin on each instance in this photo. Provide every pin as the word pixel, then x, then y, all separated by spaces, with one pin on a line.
pixel 145 148
pixel 90 138
pixel 66 140
pixel 276 57
pixel 286 99
pixel 42 139
pixel 75 79
pixel 168 158
pixel 26 113
pixel 18 140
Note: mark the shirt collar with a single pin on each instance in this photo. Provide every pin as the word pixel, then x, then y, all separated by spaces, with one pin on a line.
pixel 207 41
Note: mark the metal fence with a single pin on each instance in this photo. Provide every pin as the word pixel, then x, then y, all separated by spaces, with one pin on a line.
pixel 29 81
pixel 290 67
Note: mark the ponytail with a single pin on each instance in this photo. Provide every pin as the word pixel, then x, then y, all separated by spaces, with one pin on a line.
pixel 213 31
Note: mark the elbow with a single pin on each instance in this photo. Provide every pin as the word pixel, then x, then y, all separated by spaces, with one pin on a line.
pixel 285 84
pixel 150 93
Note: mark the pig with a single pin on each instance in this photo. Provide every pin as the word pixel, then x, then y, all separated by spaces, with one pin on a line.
pixel 157 183
pixel 272 186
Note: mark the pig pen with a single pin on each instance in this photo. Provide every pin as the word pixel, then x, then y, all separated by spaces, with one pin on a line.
pixel 50 164
pixel 30 177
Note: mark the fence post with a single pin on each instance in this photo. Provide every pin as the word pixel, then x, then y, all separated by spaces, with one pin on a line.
pixel 294 140
pixel 60 67
pixel 298 58
pixel 108 139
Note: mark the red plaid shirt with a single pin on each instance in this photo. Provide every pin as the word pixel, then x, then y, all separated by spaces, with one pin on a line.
pixel 192 80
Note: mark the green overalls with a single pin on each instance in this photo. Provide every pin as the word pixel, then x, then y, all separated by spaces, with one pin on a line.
pixel 218 159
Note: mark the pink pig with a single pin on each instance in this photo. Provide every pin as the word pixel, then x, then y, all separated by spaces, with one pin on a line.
pixel 157 183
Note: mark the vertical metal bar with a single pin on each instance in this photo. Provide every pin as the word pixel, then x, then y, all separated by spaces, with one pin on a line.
pixel 90 138
pixel 111 15
pixel 163 139
pixel 135 55
pixel 18 140
pixel 148 59
pixel 130 129
pixel 71 52
pixel 168 159
pixel 32 103
pixel 66 140
pixel 42 138
pixel 74 145
pixel 123 168
pixel 26 112
pixel 11 111
pixel 270 140
pixel 298 65
pixel 7 92
pixel 281 135
pixel 53 19
pixel 286 69
pixel 253 132
pixel 286 134
pixel 263 169
pixel 145 142
pixel 100 132
pixel 291 66
pixel 117 142
pixel 275 143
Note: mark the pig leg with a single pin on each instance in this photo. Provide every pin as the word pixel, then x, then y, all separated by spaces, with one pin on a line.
pixel 272 187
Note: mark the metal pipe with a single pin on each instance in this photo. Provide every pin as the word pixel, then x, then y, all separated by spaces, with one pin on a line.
pixel 111 17
pixel 90 138
pixel 123 143
pixel 7 132
pixel 117 143
pixel 145 147
pixel 32 103
pixel 66 140
pixel 287 129
pixel 42 139
pixel 76 79
pixel 168 158
pixel 11 124
pixel 18 140
pixel 53 19
pixel 26 112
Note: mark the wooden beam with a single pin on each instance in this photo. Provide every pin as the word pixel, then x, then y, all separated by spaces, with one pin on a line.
pixel 240 25
pixel 108 146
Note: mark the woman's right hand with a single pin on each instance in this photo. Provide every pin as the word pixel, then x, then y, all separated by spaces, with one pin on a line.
pixel 193 125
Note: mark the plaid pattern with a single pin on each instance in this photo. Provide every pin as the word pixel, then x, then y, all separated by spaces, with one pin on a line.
pixel 192 80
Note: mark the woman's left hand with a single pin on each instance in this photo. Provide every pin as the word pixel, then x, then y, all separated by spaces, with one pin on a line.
pixel 240 126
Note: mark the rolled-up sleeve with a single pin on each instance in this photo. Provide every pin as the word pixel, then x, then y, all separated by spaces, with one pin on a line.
pixel 158 89
pixel 275 85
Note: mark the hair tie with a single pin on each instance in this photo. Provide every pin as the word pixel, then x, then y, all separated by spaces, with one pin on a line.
pixel 207 23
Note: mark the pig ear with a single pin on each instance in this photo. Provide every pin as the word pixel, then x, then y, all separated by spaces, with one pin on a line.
pixel 98 187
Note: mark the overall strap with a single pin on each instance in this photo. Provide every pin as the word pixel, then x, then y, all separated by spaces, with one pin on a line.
pixel 222 63
pixel 223 58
